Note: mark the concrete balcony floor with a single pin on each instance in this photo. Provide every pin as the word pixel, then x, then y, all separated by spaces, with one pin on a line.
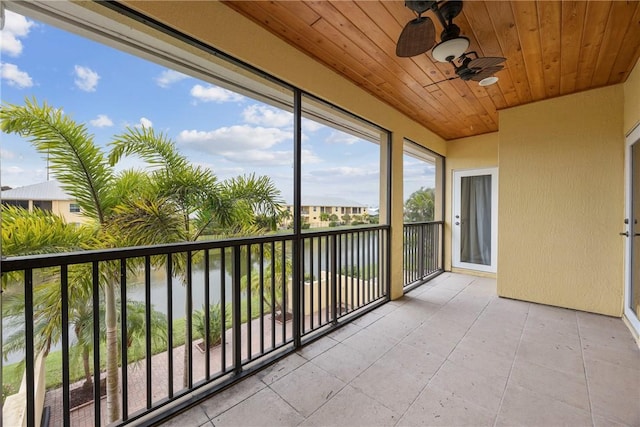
pixel 449 353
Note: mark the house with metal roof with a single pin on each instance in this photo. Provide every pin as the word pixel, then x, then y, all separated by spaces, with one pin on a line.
pixel 48 196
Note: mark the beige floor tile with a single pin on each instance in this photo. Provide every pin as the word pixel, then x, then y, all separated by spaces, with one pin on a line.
pixel 317 347
pixel 501 342
pixel 549 313
pixel 390 367
pixel 393 386
pixel 494 332
pixel 367 319
pixel 440 408
pixel 599 421
pixel 456 282
pixel 549 333
pixel 509 305
pixel 522 407
pixel 281 368
pixel 438 296
pixel 230 397
pixel 499 314
pixel 344 362
pixel 456 315
pixel 413 360
pixel 264 408
pixel 560 357
pixel 431 340
pixel 307 388
pixel 371 343
pixel 344 332
pixel 628 358
pixel 195 416
pixel 614 391
pixel 484 362
pixel 567 388
pixel 608 324
pixel 469 385
pixel 601 330
pixel 351 407
pixel 394 326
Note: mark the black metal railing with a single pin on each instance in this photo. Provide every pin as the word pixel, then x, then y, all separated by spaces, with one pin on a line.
pixel 423 249
pixel 238 304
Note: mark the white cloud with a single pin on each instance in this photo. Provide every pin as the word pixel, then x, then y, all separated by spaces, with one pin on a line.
pixel 15 27
pixel 169 77
pixel 101 121
pixel 342 138
pixel 233 138
pixel 245 144
pixel 214 94
pixel 344 174
pixel 310 125
pixel 86 78
pixel 267 116
pixel 269 157
pixel 273 117
pixel 144 123
pixel 14 76
pixel 7 154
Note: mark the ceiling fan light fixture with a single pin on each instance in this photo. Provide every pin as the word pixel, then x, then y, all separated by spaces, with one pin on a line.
pixel 488 81
pixel 450 49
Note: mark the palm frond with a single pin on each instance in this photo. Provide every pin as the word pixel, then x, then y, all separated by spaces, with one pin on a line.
pixel 40 232
pixel 156 149
pixel 76 161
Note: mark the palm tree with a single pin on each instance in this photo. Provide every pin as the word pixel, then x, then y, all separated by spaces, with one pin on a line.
pixel 84 173
pixel 187 201
pixel 420 205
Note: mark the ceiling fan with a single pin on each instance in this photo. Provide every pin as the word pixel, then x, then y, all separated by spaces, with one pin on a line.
pixel 418 36
pixel 473 67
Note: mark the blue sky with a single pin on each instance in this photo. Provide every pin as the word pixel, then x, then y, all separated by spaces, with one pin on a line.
pixel 231 134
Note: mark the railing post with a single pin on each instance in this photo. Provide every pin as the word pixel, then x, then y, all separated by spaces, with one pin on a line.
pixel 421 242
pixel 95 279
pixel 29 347
pixel 123 340
pixel 334 278
pixel 64 296
pixel 236 315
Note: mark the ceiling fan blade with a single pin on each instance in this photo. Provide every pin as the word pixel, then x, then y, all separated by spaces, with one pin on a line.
pixel 441 81
pixel 488 61
pixel 487 72
pixel 417 37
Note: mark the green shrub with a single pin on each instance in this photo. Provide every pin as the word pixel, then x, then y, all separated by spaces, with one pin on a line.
pixel 215 323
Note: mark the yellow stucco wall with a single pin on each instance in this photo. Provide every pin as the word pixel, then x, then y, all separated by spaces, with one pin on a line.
pixel 466 153
pixel 632 99
pixel 561 201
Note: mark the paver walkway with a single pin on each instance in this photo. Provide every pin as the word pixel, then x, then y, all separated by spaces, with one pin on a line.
pixel 136 375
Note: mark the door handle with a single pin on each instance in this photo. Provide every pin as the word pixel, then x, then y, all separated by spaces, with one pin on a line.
pixel 626 234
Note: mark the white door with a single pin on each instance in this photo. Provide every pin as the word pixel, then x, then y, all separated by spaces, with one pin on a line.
pixel 475 219
pixel 632 231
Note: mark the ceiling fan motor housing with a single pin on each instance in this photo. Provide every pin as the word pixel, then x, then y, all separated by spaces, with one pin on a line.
pixel 419 6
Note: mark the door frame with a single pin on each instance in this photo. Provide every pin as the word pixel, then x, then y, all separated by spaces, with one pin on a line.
pixel 455 230
pixel 632 138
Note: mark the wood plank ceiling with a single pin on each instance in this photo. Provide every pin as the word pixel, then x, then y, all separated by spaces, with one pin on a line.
pixel 552 48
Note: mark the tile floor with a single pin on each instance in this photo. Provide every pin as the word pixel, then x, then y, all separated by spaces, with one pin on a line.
pixel 449 353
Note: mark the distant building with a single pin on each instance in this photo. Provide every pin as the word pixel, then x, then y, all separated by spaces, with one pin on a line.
pixel 48 196
pixel 346 211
